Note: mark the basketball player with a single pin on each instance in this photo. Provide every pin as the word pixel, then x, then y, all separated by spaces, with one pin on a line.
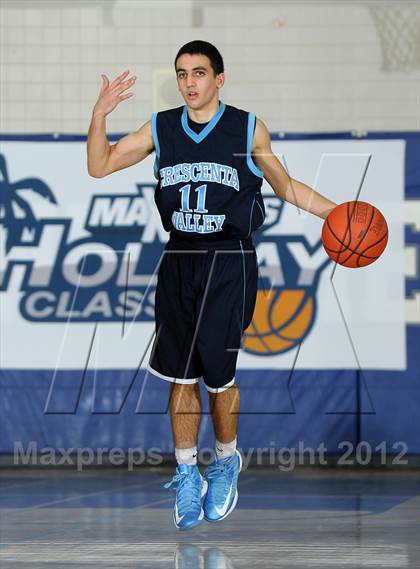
pixel 210 162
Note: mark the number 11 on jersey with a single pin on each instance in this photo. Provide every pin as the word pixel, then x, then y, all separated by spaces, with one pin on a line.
pixel 201 199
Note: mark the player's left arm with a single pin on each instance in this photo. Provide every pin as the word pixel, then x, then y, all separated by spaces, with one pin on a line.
pixel 284 186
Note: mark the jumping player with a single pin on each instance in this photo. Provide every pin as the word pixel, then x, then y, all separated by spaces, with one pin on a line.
pixel 210 162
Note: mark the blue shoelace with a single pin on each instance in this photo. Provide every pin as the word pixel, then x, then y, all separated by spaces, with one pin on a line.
pixel 220 485
pixel 187 492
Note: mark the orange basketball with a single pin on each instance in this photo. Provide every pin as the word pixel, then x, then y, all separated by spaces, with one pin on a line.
pixel 355 234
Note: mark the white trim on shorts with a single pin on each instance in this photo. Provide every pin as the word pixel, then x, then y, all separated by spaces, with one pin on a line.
pixel 173 379
pixel 219 389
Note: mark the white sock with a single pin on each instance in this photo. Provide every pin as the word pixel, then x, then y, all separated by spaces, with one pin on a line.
pixel 223 450
pixel 186 455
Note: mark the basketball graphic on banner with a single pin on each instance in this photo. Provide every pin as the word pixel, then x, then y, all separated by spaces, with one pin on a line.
pixel 281 320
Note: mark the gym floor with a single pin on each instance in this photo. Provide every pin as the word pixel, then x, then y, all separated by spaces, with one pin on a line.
pixel 310 517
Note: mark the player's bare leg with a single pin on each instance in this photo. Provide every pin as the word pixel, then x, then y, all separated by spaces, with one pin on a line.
pixel 224 408
pixel 185 410
pixel 222 474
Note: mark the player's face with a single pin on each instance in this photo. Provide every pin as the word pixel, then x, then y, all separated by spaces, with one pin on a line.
pixel 197 82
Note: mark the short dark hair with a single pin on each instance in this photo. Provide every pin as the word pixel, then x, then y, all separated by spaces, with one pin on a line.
pixel 203 48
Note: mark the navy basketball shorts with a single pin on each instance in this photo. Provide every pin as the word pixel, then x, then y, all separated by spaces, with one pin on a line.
pixel 205 299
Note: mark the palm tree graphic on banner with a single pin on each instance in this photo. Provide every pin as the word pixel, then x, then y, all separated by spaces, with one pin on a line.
pixel 9 198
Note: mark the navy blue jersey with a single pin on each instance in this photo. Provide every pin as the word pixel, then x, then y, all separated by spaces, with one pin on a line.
pixel 208 186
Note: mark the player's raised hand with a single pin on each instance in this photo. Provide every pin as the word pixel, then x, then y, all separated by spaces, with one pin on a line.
pixel 110 94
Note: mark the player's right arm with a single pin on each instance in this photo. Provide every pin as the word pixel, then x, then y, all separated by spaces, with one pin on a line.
pixel 103 158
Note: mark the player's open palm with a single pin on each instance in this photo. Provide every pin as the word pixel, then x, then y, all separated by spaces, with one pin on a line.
pixel 112 94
